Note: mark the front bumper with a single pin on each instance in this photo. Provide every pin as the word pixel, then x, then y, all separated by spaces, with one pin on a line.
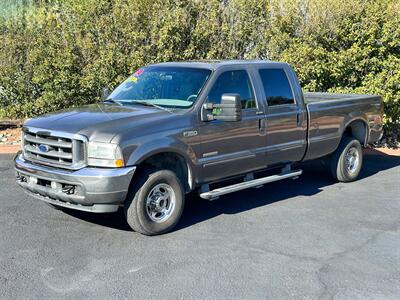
pixel 88 189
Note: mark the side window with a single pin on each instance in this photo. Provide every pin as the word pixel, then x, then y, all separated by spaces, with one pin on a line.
pixel 276 87
pixel 237 82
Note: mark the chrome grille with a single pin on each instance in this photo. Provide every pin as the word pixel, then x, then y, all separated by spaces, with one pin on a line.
pixel 54 148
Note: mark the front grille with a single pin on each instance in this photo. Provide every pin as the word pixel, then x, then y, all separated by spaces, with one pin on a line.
pixel 54 149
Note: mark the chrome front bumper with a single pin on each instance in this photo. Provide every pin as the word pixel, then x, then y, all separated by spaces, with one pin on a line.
pixel 88 189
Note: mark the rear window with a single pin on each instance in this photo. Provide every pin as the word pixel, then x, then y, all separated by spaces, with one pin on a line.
pixel 276 87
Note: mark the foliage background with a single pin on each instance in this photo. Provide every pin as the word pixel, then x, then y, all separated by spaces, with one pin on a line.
pixel 56 54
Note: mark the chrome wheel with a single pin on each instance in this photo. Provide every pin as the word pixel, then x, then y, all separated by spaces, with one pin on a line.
pixel 352 159
pixel 160 202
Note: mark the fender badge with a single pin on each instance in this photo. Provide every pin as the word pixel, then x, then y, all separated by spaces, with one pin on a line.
pixel 190 133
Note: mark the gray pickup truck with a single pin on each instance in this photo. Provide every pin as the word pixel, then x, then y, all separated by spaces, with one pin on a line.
pixel 171 128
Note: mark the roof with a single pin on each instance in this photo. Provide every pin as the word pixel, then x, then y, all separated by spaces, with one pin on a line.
pixel 214 64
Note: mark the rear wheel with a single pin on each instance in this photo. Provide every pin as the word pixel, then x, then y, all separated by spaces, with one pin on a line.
pixel 346 161
pixel 155 204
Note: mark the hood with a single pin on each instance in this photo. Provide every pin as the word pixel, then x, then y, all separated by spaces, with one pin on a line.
pixel 98 122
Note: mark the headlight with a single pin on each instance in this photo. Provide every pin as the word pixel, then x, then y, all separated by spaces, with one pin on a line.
pixel 104 155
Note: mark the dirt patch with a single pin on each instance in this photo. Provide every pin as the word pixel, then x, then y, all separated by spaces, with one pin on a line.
pixel 382 151
pixel 7 149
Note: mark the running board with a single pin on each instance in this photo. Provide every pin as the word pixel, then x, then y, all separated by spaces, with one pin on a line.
pixel 214 194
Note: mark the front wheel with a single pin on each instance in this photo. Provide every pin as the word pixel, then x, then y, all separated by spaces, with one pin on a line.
pixel 346 161
pixel 155 204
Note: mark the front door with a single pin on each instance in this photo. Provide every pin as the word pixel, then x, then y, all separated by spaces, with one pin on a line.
pixel 232 148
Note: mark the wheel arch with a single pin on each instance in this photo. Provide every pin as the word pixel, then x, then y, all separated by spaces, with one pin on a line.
pixel 358 128
pixel 172 160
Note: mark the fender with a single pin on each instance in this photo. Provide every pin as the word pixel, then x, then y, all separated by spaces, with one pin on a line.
pixel 165 144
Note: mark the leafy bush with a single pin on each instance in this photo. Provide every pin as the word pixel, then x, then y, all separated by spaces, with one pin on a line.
pixel 56 54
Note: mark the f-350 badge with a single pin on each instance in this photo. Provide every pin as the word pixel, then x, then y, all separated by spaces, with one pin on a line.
pixel 190 133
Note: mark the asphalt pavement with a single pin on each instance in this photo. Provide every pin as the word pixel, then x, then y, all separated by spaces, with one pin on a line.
pixel 309 238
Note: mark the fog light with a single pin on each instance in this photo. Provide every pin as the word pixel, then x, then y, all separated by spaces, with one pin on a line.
pixel 68 189
pixel 21 178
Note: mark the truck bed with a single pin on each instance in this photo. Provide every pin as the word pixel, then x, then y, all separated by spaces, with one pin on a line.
pixel 329 114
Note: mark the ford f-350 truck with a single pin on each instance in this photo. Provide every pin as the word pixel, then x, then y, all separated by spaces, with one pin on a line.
pixel 171 128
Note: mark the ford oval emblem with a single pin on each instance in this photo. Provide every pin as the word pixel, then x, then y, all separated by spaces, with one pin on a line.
pixel 44 148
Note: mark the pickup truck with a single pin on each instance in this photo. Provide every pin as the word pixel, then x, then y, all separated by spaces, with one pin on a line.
pixel 214 127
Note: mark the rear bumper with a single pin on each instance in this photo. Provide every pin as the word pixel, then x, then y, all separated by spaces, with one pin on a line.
pixel 87 189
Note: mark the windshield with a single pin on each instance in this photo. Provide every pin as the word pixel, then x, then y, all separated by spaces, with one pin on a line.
pixel 173 87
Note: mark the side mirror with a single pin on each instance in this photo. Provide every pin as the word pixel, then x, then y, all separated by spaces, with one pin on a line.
pixel 229 110
pixel 105 93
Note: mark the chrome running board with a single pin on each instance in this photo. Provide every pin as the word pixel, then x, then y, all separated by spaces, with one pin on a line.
pixel 214 194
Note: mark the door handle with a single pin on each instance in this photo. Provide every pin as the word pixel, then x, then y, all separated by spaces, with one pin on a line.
pixel 262 125
pixel 299 118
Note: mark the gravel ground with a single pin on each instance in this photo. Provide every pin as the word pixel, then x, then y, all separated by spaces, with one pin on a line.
pixel 309 238
pixel 10 135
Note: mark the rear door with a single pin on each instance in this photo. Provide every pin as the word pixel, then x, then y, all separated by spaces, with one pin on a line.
pixel 286 116
pixel 231 148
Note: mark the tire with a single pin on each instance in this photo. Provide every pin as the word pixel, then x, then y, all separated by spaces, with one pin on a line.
pixel 145 210
pixel 346 161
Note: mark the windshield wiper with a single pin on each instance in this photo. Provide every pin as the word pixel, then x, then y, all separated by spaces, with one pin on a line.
pixel 146 103
pixel 109 100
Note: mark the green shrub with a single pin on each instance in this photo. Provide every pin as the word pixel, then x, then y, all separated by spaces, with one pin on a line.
pixel 57 54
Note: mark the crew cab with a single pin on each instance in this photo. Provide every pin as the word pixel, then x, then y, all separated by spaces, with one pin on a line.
pixel 171 128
